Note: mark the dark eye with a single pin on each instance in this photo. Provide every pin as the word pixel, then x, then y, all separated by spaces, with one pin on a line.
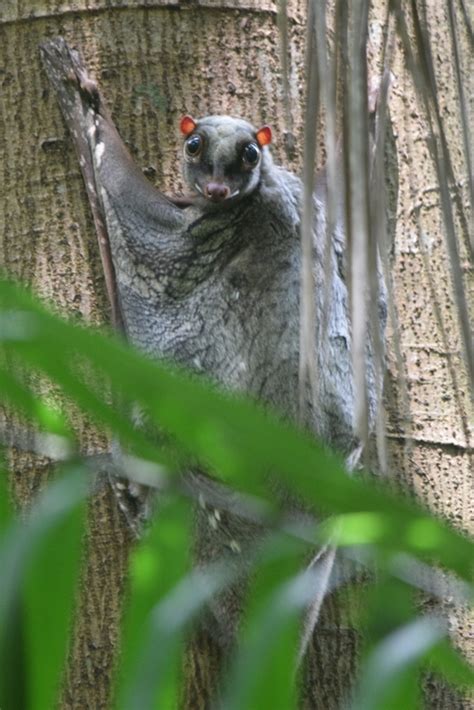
pixel 193 145
pixel 251 155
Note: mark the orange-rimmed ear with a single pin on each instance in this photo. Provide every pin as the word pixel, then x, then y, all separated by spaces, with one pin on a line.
pixel 264 136
pixel 187 125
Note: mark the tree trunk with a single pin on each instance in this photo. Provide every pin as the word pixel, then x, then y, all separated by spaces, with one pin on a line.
pixel 432 450
pixel 155 63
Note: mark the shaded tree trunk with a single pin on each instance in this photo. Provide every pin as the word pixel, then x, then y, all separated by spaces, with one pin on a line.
pixel 154 64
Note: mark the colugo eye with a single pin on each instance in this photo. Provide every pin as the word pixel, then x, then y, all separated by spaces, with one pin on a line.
pixel 193 145
pixel 251 155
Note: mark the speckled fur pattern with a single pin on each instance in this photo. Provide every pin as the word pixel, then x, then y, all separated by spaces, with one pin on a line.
pixel 218 290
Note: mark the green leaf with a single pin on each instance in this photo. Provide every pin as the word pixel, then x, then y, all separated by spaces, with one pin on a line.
pixel 47 416
pixel 447 662
pixel 6 508
pixel 228 435
pixel 148 673
pixel 12 656
pixel 389 677
pixel 389 604
pixel 264 671
pixel 39 559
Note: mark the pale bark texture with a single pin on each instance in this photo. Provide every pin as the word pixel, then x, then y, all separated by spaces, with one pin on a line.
pixel 154 62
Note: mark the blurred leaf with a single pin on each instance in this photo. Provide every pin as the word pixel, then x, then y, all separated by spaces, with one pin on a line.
pixel 6 508
pixel 389 604
pixel 154 682
pixel 46 416
pixel 39 559
pixel 389 677
pixel 148 672
pixel 264 671
pixel 12 656
pixel 228 435
pixel 48 596
pixel 447 662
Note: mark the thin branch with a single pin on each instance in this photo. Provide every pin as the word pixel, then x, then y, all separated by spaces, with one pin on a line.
pixel 359 211
pixel 378 238
pixel 307 366
pixel 422 74
pixel 282 21
pixel 466 133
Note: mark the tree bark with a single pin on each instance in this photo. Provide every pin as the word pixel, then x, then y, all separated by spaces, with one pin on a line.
pixel 156 61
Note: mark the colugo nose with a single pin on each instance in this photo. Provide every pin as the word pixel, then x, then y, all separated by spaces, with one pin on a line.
pixel 216 191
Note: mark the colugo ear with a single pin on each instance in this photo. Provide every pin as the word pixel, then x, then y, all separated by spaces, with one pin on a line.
pixel 264 136
pixel 187 125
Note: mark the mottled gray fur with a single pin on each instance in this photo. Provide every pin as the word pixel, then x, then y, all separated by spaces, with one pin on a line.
pixel 216 287
pixel 218 290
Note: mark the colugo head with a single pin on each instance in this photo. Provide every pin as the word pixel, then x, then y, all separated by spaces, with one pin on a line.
pixel 223 157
